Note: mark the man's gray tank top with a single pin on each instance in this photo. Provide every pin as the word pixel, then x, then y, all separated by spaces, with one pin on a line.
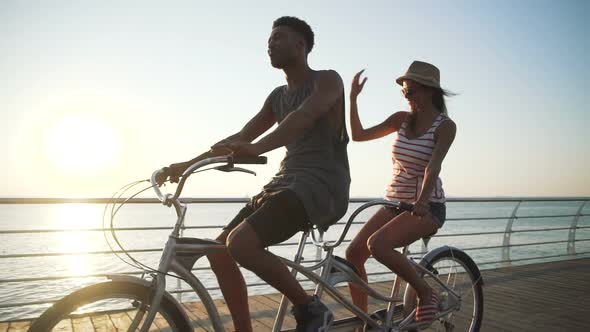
pixel 316 164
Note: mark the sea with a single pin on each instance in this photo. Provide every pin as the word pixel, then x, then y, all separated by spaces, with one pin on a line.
pixel 81 247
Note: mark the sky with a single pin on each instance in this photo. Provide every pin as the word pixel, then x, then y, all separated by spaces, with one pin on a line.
pixel 97 94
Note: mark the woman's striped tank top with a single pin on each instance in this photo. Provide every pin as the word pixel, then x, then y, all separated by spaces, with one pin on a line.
pixel 410 158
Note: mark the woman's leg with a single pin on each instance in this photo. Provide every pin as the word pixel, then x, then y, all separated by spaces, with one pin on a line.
pixel 399 232
pixel 358 252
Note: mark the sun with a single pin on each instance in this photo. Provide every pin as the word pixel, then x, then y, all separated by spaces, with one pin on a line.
pixel 81 143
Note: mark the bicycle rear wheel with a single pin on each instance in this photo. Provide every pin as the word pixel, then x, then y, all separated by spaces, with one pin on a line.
pixel 113 305
pixel 458 272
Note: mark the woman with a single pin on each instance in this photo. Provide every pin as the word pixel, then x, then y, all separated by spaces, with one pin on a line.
pixel 423 138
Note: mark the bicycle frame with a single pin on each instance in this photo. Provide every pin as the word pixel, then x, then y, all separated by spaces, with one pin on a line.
pixel 170 262
pixel 325 281
pixel 175 245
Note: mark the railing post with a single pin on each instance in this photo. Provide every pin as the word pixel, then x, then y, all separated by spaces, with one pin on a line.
pixel 571 240
pixel 507 235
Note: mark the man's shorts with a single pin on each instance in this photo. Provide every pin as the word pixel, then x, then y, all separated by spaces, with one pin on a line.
pixel 437 210
pixel 275 216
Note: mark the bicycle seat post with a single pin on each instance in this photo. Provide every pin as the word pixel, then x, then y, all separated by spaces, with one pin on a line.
pixel 325 271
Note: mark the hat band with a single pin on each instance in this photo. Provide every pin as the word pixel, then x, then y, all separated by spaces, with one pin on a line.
pixel 425 80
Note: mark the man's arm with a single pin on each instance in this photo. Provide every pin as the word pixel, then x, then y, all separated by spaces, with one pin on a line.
pixel 260 123
pixel 328 88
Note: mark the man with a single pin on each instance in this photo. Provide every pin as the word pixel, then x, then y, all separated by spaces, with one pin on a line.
pixel 311 186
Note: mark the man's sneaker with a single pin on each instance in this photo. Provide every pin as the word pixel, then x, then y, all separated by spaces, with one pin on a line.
pixel 313 317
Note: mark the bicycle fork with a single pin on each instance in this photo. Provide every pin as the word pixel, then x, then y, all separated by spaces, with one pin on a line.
pixel 142 308
pixel 158 286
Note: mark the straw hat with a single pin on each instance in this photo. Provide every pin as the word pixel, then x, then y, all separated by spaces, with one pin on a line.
pixel 423 73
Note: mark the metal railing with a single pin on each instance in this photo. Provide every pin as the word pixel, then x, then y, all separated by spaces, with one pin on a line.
pixel 506 246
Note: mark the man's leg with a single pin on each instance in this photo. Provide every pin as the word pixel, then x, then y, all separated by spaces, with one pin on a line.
pixel 245 247
pixel 232 285
pixel 230 278
pixel 280 216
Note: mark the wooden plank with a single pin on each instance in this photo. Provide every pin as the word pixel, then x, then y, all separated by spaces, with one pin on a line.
pixel 261 314
pixel 120 320
pixel 194 318
pixel 226 319
pixel 159 324
pixel 19 326
pixel 276 297
pixel 102 323
pixel 200 316
pixel 125 319
pixel 273 301
pixel 225 315
pixel 83 324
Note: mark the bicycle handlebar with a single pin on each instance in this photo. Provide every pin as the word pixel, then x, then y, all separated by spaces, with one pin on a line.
pixel 248 160
pixel 230 160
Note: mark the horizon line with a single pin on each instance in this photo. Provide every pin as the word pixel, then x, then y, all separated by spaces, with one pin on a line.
pixel 214 199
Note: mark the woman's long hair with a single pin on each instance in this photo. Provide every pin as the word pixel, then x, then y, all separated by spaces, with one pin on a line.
pixel 438 99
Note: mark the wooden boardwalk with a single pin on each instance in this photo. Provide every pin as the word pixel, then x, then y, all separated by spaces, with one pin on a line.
pixel 539 297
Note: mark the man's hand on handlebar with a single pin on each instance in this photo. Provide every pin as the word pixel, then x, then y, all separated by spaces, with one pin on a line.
pixel 240 148
pixel 237 148
pixel 174 171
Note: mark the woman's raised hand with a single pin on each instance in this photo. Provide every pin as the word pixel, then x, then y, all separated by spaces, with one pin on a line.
pixel 357 86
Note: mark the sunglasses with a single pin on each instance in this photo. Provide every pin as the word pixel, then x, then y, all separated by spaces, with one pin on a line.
pixel 408 92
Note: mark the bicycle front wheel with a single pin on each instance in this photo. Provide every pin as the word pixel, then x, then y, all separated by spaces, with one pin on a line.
pixel 462 296
pixel 110 306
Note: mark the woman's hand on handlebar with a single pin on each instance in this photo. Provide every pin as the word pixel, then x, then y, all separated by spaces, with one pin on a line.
pixel 421 208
